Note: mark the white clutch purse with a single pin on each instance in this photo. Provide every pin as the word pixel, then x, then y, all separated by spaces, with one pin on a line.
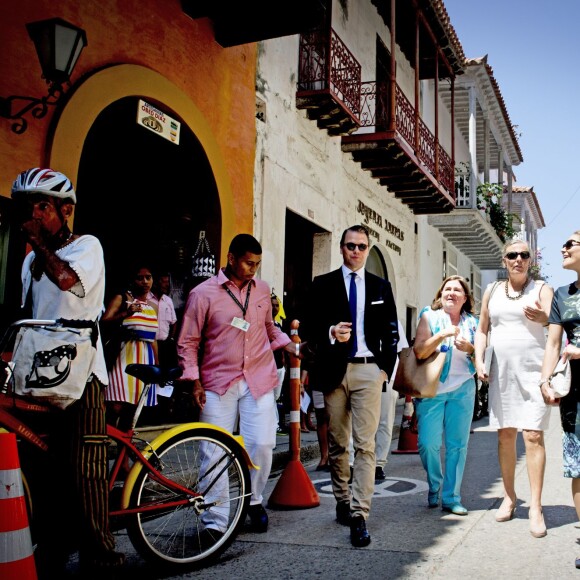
pixel 561 379
pixel 487 358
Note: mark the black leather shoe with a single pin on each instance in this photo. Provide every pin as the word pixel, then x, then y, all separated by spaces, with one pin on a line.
pixel 380 473
pixel 343 513
pixel 259 519
pixel 359 536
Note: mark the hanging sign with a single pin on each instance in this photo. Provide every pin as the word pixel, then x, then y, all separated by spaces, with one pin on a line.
pixel 158 122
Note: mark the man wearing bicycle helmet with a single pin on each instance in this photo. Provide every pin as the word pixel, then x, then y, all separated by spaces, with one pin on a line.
pixel 64 277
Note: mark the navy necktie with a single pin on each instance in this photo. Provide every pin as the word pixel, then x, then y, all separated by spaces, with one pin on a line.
pixel 352 305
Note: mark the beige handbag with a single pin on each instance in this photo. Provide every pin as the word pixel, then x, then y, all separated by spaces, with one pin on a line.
pixel 418 377
pixel 561 379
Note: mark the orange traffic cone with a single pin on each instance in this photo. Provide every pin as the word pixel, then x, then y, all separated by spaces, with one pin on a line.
pixel 16 555
pixel 408 433
pixel 294 489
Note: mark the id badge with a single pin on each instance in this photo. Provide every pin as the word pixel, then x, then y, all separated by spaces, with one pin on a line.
pixel 240 323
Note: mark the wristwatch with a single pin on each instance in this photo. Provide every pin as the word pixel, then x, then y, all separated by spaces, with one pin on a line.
pixel 542 381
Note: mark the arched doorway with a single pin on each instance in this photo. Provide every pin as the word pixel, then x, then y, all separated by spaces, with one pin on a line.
pixel 376 263
pixel 145 197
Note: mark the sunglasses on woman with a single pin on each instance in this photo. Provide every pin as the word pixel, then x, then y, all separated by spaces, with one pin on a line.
pixel 569 244
pixel 514 255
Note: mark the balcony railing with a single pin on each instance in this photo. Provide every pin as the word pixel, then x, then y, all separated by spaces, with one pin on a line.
pixel 374 113
pixel 341 73
pixel 462 194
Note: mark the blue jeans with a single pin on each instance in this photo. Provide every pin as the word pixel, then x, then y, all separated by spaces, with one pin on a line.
pixel 450 413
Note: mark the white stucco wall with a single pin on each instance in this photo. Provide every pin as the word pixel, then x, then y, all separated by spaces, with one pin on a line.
pixel 302 168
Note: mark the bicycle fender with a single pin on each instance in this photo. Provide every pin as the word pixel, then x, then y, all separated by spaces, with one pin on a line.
pixel 165 436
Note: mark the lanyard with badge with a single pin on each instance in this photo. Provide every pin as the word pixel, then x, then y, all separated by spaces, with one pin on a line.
pixel 238 322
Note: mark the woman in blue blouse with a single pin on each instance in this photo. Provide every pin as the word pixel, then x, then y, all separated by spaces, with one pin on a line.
pixel 448 325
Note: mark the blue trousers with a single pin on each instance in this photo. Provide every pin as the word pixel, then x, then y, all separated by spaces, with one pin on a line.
pixel 446 415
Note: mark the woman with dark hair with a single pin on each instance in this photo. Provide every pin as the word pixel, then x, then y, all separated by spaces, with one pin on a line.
pixel 135 315
pixel 565 317
pixel 448 325
pixel 513 314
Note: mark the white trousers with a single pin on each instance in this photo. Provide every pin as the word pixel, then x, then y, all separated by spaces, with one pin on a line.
pixel 257 427
pixel 277 392
pixel 385 431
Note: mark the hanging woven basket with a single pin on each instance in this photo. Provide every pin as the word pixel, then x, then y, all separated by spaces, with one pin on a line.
pixel 203 261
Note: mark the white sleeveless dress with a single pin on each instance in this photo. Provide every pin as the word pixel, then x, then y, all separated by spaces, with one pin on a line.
pixel 515 399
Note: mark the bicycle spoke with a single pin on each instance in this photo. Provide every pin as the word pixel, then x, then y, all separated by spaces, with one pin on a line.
pixel 210 464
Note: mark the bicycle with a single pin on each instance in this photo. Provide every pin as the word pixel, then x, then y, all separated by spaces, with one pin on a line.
pixel 189 476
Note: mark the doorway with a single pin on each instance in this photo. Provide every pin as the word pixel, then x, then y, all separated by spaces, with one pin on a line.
pixel 298 262
pixel 146 198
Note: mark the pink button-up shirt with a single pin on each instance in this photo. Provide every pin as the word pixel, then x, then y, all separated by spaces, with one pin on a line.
pixel 229 353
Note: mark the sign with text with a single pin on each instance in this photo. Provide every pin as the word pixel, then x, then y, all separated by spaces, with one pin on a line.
pixel 157 121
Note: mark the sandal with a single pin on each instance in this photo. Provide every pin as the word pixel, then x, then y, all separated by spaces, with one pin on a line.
pixel 505 513
pixel 538 528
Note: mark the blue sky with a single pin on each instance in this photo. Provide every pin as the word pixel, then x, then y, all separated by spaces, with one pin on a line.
pixel 533 49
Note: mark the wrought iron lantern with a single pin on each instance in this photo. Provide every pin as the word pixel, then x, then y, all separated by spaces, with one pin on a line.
pixel 58 46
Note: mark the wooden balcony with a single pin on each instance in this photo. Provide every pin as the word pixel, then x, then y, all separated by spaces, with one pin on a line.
pixel 472 234
pixel 329 83
pixel 469 229
pixel 401 152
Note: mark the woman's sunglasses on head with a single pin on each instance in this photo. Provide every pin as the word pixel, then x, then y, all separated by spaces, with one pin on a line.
pixel 569 244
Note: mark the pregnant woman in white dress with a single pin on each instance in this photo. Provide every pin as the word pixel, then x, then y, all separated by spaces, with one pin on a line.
pixel 514 313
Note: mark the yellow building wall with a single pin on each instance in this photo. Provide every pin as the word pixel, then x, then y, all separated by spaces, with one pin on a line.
pixel 135 48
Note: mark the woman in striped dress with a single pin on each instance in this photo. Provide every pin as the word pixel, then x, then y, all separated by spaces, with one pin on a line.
pixel 137 318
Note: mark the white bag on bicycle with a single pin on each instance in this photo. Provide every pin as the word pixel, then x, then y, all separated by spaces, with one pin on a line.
pixel 50 368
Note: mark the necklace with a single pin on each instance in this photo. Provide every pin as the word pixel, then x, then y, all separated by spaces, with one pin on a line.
pixel 518 296
pixel 67 241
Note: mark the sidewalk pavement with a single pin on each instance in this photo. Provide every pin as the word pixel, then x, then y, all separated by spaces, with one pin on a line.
pixel 409 540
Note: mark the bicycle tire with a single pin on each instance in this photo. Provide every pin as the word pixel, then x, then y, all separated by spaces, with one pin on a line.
pixel 177 537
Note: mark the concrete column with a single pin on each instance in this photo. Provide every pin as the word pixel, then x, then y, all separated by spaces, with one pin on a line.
pixel 486 149
pixel 473 147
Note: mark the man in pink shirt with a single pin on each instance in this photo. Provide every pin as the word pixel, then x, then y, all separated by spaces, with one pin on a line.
pixel 229 316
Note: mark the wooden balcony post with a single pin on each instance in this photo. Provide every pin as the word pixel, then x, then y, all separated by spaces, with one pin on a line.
pixel 393 79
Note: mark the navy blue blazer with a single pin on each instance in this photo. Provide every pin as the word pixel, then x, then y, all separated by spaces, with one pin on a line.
pixel 328 305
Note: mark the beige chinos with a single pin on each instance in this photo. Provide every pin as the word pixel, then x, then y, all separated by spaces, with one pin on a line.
pixel 356 402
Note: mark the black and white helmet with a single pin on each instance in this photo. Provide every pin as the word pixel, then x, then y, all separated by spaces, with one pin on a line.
pixel 44 181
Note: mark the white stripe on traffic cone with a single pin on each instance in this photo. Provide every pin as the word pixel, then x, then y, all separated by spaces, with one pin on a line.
pixel 16 554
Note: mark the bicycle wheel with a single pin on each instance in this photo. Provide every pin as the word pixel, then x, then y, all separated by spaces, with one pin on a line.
pixel 210 463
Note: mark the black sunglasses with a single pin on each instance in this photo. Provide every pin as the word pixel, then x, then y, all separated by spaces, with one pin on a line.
pixel 350 246
pixel 514 255
pixel 570 243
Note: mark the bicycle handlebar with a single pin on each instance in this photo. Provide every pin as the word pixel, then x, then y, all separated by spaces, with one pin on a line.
pixel 59 324
pixel 56 322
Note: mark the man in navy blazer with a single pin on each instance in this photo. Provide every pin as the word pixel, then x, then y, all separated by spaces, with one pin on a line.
pixel 351 363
